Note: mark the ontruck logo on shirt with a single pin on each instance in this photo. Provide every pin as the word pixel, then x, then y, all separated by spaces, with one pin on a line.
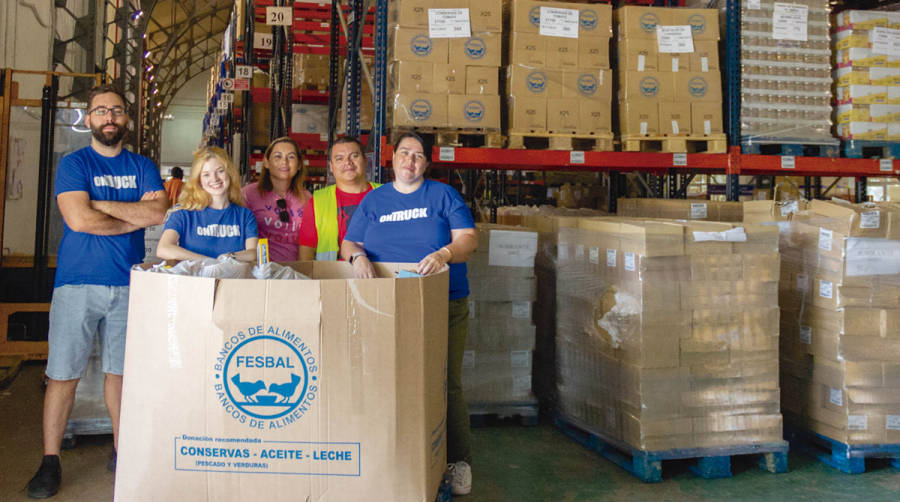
pixel 406 214
pixel 111 181
pixel 219 231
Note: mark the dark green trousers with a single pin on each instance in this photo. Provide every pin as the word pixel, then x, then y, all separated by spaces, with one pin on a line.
pixel 459 436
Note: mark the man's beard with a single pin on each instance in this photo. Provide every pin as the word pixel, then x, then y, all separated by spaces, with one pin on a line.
pixel 104 138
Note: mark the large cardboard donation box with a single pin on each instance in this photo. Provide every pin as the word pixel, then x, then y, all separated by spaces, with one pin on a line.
pixel 330 389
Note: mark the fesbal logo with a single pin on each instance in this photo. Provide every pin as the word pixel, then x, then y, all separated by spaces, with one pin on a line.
pixel 587 18
pixel 587 84
pixel 648 22
pixel 697 87
pixel 698 23
pixel 475 48
pixel 266 377
pixel 649 87
pixel 420 45
pixel 420 110
pixel 474 111
pixel 536 82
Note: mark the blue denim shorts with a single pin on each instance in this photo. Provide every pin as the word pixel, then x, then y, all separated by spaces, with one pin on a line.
pixel 78 312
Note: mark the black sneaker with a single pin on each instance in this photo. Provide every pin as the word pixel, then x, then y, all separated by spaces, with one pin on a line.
pixel 111 465
pixel 45 483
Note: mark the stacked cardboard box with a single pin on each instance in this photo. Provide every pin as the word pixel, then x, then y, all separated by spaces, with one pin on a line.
pixel 497 365
pixel 867 81
pixel 444 82
pixel 785 76
pixel 681 209
pixel 667 332
pixel 559 82
pixel 668 93
pixel 840 311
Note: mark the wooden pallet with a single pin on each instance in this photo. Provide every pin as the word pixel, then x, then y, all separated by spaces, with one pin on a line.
pixel 538 140
pixel 715 143
pixel 712 463
pixel 522 412
pixel 458 137
pixel 863 149
pixel 847 458
pixel 28 350
pixel 764 146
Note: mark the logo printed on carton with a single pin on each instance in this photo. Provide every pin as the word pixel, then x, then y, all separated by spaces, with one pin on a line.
pixel 474 111
pixel 698 23
pixel 534 16
pixel 587 84
pixel 588 19
pixel 420 110
pixel 266 378
pixel 536 81
pixel 697 87
pixel 475 48
pixel 648 22
pixel 420 45
pixel 649 87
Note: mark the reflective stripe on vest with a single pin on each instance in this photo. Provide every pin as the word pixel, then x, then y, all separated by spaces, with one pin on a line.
pixel 325 208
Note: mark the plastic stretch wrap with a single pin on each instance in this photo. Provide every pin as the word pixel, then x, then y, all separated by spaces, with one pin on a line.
pixel 226 268
pixel 274 270
pixel 786 84
pixel 665 340
pixel 840 304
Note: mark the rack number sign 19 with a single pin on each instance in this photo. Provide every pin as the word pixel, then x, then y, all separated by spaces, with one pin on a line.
pixel 279 16
pixel 263 41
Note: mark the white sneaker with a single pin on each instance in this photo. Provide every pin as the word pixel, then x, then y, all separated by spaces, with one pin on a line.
pixel 460 478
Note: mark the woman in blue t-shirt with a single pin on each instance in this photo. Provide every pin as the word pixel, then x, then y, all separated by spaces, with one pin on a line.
pixel 210 220
pixel 428 223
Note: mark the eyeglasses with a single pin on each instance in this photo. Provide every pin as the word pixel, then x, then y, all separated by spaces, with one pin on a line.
pixel 102 111
pixel 282 210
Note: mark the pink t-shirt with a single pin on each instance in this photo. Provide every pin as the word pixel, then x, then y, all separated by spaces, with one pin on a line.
pixel 282 236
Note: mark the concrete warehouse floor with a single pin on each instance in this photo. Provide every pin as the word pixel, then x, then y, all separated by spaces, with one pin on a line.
pixel 512 463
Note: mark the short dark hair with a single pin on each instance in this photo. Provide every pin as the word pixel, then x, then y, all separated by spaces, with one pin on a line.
pixel 343 140
pixel 104 89
pixel 426 148
pixel 177 172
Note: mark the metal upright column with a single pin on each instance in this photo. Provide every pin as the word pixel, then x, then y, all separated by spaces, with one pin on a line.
pixel 733 91
pixel 334 85
pixel 380 77
pixel 354 68
pixel 247 101
pixel 45 169
pixel 613 190
pixel 862 193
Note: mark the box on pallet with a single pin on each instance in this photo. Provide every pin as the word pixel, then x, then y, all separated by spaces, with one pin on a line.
pixel 419 110
pixel 681 209
pixel 839 285
pixel 594 20
pixel 274 389
pixel 473 111
pixel 497 365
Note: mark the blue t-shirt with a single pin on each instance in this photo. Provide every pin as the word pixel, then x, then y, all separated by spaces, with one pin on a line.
pixel 212 232
pixel 102 259
pixel 398 227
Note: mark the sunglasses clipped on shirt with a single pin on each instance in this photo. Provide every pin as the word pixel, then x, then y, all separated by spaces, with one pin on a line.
pixel 102 111
pixel 282 210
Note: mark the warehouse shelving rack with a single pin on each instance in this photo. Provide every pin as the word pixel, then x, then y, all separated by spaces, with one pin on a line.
pixel 674 170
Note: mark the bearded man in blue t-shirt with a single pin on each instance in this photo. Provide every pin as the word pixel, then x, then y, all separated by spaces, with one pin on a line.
pixel 107 196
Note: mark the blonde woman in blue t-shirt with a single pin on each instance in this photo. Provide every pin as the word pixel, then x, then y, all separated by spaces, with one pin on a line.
pixel 210 220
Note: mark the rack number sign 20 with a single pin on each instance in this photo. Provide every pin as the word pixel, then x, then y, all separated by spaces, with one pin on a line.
pixel 279 16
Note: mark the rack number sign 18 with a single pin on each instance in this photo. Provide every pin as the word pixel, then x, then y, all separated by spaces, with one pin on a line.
pixel 279 16
pixel 243 71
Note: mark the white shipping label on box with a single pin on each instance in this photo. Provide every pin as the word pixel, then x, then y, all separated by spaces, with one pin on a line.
pixel 754 4
pixel 629 262
pixel 872 257
pixel 707 127
pixel 835 396
pixel 698 211
pixel 674 65
pixel 579 252
pixel 559 22
pixel 790 21
pixel 643 128
pixel 642 62
pixel 789 208
pixel 471 309
pixel 704 65
pixel 594 256
pixel 870 219
pixel 562 251
pixel 521 310
pixel 611 258
pixel 513 249
pixel 736 234
pixel 674 40
pixel 520 359
pixel 468 359
pixel 806 335
pixel 892 422
pixel 857 422
pixel 826 289
pixel 449 23
pixel 825 237
pixel 885 41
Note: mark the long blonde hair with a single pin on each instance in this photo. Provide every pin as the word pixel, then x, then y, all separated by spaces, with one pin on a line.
pixel 193 196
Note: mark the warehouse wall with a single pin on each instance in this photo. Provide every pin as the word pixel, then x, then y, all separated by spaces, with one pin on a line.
pixel 181 136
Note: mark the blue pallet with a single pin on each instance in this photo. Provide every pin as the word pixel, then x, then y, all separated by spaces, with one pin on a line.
pixel 444 494
pixel 788 149
pixel 712 463
pixel 864 149
pixel 847 458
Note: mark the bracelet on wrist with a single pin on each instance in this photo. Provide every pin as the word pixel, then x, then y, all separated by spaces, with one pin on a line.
pixel 449 253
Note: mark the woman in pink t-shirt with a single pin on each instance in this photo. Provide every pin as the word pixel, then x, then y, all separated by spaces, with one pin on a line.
pixel 278 198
